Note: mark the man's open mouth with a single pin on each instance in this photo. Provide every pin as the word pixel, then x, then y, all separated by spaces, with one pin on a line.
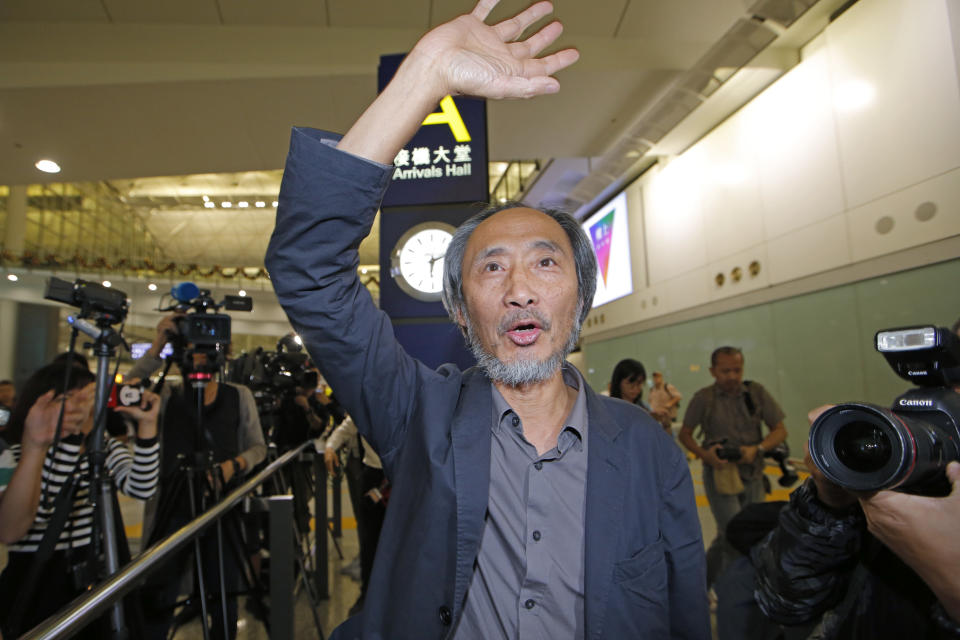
pixel 524 332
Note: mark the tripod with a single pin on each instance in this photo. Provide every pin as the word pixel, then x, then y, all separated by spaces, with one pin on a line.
pixel 190 486
pixel 106 537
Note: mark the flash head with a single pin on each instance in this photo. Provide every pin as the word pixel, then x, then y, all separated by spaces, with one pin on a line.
pixel 926 355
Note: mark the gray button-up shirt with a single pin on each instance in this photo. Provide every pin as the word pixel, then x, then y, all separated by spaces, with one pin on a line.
pixel 528 578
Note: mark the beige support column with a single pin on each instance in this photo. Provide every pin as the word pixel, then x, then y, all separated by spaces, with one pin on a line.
pixel 13 241
pixel 16 220
pixel 8 338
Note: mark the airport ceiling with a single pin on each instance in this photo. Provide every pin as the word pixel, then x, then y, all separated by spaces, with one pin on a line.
pixel 122 90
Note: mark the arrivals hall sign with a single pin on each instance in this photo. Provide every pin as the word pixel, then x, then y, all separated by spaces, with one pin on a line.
pixel 446 161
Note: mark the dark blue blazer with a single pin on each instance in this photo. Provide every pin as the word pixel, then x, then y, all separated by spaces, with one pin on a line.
pixel 644 558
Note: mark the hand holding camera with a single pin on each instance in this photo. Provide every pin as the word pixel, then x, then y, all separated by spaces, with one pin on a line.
pixel 142 405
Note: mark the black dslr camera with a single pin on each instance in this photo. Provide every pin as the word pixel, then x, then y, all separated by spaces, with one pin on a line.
pixel 780 454
pixel 865 447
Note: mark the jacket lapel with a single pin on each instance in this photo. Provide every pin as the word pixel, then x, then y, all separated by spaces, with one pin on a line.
pixel 471 436
pixel 606 487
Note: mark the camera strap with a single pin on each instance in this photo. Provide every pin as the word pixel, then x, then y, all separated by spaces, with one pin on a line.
pixel 62 507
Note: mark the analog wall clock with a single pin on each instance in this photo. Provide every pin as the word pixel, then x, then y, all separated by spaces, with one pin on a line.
pixel 416 262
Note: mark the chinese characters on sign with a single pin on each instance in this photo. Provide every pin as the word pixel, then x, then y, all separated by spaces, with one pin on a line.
pixel 424 162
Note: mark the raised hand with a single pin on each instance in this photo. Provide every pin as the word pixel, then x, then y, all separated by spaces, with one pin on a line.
pixel 462 57
pixel 473 58
pixel 41 423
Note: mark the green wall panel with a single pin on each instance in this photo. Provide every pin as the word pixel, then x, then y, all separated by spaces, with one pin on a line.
pixel 808 350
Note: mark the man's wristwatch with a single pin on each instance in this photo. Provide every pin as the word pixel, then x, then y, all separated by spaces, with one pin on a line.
pixel 761 450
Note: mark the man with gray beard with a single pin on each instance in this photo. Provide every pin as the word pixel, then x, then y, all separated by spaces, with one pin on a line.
pixel 524 505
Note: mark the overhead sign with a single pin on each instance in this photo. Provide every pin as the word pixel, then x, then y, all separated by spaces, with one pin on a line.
pixel 446 161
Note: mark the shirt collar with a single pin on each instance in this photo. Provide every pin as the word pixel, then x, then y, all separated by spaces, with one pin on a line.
pixel 576 421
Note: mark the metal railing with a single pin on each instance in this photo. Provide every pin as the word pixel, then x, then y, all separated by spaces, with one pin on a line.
pixel 84 609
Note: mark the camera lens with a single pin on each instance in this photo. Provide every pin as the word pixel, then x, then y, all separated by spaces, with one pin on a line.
pixel 865 447
pixel 862 446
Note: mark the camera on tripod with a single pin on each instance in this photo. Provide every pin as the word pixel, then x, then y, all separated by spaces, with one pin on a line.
pixel 202 330
pixel 779 454
pixel 94 300
pixel 273 374
pixel 866 447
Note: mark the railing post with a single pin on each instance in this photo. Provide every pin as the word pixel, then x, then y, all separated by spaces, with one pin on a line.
pixel 337 506
pixel 322 559
pixel 281 566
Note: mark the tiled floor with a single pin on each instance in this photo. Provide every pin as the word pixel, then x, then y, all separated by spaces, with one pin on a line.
pixel 343 589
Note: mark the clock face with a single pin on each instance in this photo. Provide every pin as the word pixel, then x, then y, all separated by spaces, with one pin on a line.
pixel 417 260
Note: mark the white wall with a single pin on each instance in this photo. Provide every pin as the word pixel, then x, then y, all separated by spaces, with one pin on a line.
pixel 853 154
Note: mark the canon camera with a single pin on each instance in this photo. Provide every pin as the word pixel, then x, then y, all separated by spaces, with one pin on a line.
pixel 866 447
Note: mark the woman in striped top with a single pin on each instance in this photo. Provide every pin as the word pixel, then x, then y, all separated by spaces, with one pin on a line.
pixel 42 469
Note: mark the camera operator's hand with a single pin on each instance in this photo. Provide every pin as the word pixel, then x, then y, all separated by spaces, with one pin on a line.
pixel 922 530
pixel 302 401
pixel 711 458
pixel 145 414
pixel 331 460
pixel 748 453
pixel 831 495
pixel 41 423
pixel 166 328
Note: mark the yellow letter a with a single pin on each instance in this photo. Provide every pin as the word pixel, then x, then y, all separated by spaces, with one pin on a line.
pixel 449 115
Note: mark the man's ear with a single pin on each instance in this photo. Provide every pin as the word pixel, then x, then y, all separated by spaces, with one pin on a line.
pixel 461 321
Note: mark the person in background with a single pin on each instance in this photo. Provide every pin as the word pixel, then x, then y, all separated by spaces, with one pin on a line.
pixel 8 394
pixel 855 566
pixel 731 413
pixel 234 440
pixel 664 401
pixel 370 507
pixel 42 469
pixel 627 381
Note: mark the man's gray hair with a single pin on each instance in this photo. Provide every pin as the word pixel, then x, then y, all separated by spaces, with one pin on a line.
pixel 583 255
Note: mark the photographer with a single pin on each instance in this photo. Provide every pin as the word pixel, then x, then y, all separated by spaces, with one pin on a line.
pixel 845 561
pixel 370 506
pixel 305 414
pixel 42 469
pixel 235 442
pixel 731 412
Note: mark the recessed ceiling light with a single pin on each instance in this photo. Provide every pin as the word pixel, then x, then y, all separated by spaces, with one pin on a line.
pixel 226 205
pixel 12 277
pixel 261 204
pixel 275 203
pixel 206 198
pixel 242 293
pixel 107 283
pixel 47 166
pixel 210 205
pixel 243 204
pixel 152 287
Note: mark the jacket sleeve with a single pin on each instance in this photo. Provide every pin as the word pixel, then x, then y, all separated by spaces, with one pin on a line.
pixel 686 562
pixel 327 203
pixel 344 432
pixel 804 565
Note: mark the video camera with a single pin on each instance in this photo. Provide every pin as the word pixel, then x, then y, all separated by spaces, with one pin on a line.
pixel 780 454
pixel 275 372
pixel 866 447
pixel 107 305
pixel 202 329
